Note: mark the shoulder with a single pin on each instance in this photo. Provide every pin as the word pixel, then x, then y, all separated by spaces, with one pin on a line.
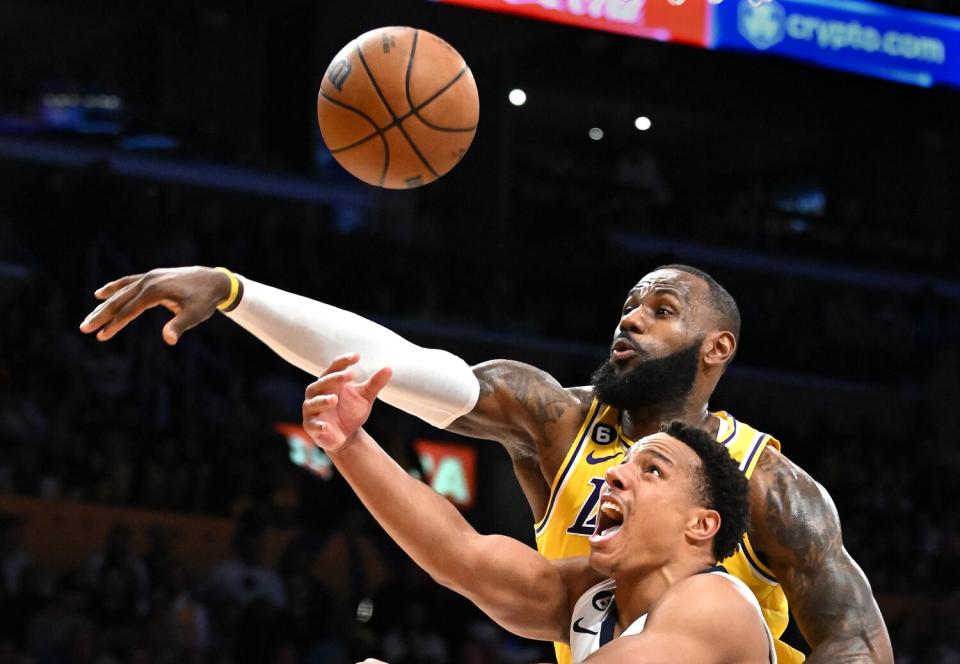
pixel 584 394
pixel 793 519
pixel 703 595
pixel 779 485
pixel 712 607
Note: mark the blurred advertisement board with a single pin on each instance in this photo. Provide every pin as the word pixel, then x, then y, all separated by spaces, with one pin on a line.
pixel 862 37
pixel 868 38
pixel 651 19
pixel 303 451
pixel 451 470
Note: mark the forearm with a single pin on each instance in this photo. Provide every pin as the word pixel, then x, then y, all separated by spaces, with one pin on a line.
pixel 433 385
pixel 510 582
pixel 423 523
pixel 838 615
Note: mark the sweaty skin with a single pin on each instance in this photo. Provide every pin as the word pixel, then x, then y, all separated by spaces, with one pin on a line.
pixel 528 412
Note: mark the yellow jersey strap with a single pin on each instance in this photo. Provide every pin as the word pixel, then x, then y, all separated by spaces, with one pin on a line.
pixel 568 463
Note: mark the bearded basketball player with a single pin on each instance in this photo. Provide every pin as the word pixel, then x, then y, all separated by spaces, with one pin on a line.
pixel 675 336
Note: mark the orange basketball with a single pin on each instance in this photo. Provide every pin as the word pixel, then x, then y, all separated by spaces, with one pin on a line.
pixel 398 107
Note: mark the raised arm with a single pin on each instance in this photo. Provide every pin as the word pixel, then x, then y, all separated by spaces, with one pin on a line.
pixel 795 524
pixel 513 584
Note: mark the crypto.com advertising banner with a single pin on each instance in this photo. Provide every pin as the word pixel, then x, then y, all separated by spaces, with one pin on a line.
pixel 650 19
pixel 863 37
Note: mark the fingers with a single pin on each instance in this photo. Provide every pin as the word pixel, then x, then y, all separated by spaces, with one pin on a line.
pixel 337 375
pixel 106 310
pixel 109 289
pixel 129 303
pixel 328 384
pixel 370 388
pixel 185 320
pixel 315 406
pixel 341 363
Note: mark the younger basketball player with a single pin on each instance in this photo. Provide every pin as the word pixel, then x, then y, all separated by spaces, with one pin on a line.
pixel 674 338
pixel 651 590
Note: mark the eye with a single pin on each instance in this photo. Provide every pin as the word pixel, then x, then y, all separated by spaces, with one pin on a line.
pixel 664 311
pixel 627 308
pixel 654 470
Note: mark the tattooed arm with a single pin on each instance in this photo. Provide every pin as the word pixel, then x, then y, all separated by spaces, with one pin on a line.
pixel 531 415
pixel 796 525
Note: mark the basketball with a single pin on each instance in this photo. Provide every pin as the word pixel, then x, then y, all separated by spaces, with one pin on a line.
pixel 398 107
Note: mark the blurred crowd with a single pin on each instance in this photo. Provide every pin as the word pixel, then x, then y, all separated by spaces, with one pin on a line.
pixel 318 604
pixel 190 429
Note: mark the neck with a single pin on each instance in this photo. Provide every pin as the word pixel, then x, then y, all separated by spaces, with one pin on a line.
pixel 636 593
pixel 639 422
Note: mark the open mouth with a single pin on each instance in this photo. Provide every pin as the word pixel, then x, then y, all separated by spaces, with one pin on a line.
pixel 622 349
pixel 609 520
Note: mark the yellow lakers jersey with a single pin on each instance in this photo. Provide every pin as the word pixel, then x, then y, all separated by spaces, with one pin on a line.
pixel 572 508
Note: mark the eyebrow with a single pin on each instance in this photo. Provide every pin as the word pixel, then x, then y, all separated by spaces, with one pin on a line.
pixel 661 290
pixel 656 454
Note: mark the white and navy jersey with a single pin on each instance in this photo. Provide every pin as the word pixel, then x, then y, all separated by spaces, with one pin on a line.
pixel 595 617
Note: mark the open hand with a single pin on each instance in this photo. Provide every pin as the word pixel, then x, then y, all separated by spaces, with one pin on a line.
pixel 334 409
pixel 191 293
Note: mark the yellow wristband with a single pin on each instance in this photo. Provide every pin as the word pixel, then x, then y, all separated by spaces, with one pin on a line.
pixel 234 289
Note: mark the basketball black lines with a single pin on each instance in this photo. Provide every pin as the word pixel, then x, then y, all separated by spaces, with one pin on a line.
pixel 414 109
pixel 376 132
pixel 397 120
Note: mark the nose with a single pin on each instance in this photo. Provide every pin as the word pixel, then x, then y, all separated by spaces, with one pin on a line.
pixel 614 477
pixel 633 321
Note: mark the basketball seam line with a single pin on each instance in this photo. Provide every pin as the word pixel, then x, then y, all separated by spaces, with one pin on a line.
pixel 373 81
pixel 377 132
pixel 383 99
pixel 406 86
pixel 415 110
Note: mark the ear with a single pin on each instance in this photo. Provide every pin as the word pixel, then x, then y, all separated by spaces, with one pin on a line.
pixel 703 525
pixel 718 348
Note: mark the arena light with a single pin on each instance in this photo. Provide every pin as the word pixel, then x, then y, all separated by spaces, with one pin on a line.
pixel 517 97
pixel 642 123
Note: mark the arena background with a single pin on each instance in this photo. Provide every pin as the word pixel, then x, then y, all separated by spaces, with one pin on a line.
pixel 135 477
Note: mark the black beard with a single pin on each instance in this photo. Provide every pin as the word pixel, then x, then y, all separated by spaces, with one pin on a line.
pixel 664 381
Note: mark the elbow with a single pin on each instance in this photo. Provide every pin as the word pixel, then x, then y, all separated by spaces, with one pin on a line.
pixel 446 580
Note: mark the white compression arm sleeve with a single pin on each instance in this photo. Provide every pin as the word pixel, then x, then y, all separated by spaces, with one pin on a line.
pixel 434 385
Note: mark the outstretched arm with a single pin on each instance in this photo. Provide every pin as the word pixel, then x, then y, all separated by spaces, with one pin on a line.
pixel 502 400
pixel 513 584
pixel 432 384
pixel 796 525
pixel 518 405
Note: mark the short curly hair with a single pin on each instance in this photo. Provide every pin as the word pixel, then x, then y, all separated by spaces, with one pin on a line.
pixel 722 487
